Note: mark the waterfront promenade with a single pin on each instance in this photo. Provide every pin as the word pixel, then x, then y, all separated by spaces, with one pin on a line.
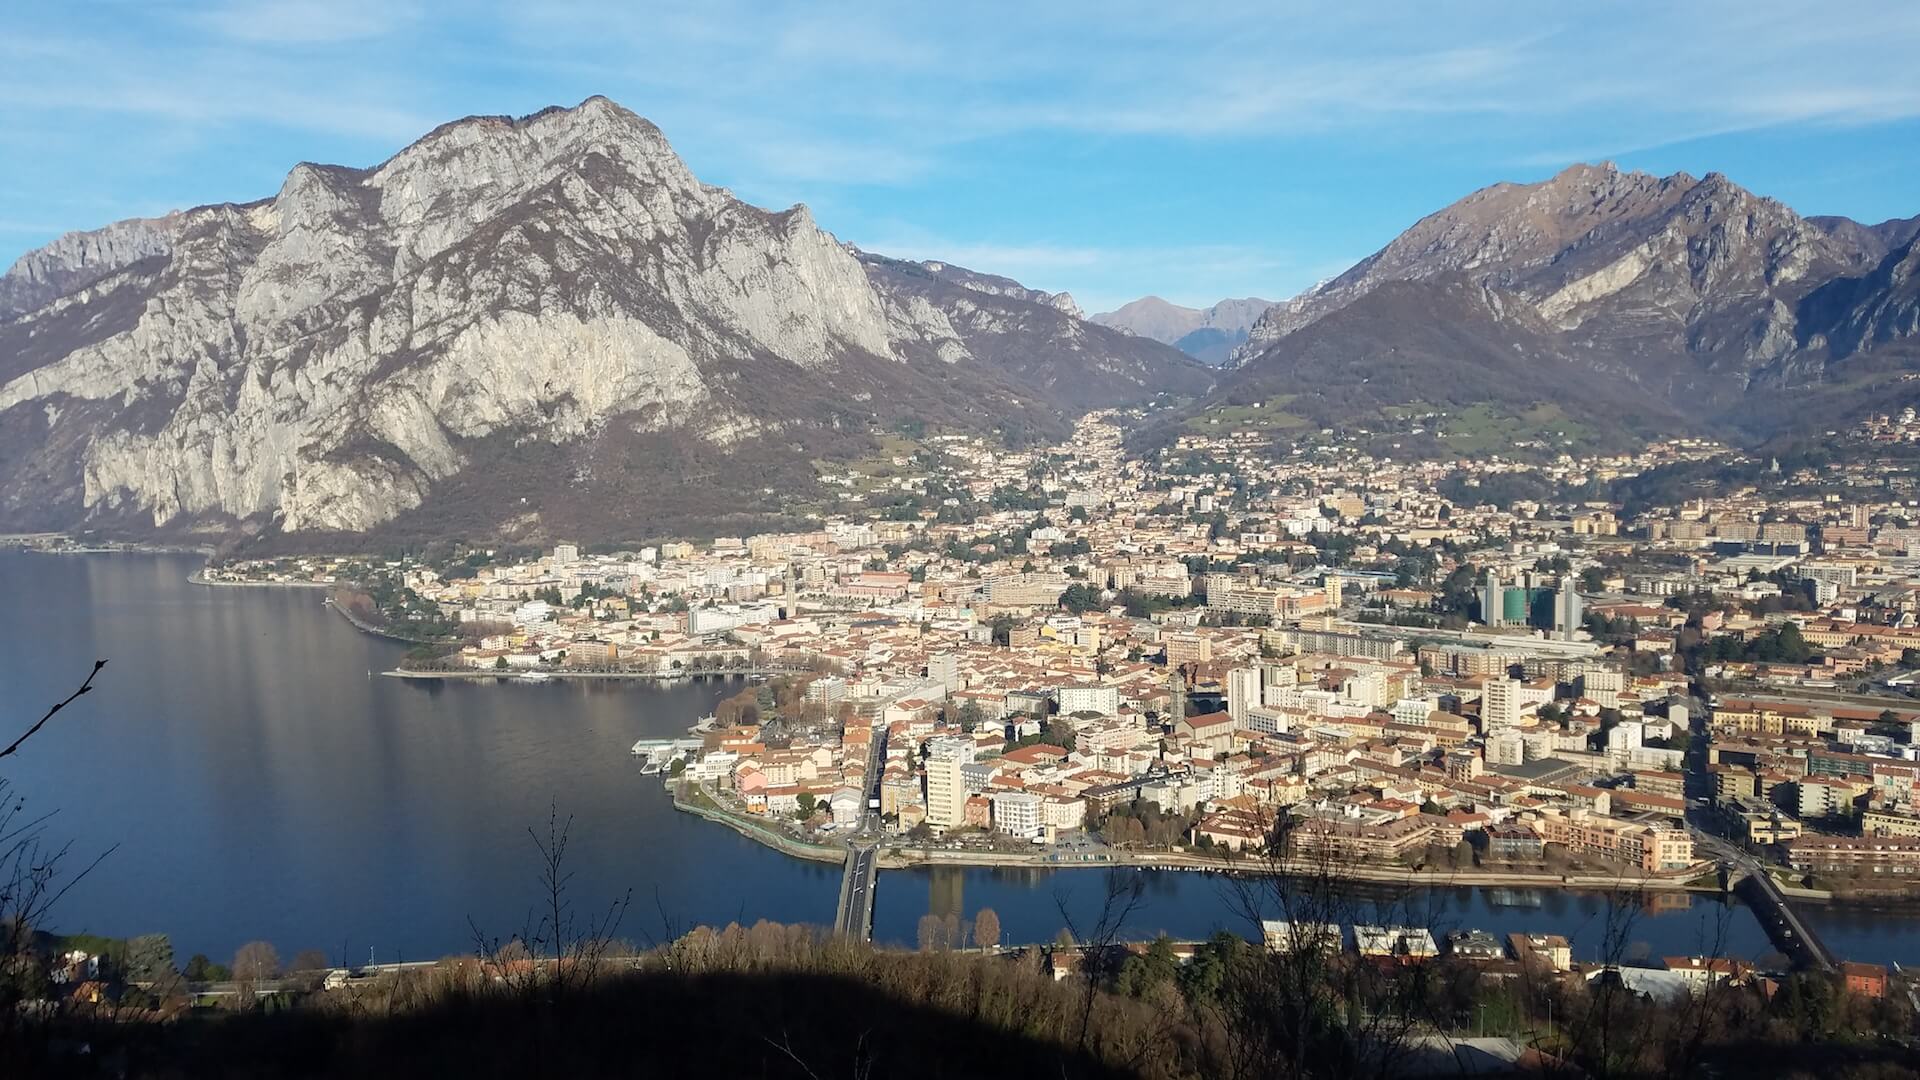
pixel 584 673
pixel 856 902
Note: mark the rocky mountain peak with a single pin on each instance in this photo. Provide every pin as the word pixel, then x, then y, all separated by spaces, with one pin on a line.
pixel 1690 290
pixel 1590 232
pixel 548 294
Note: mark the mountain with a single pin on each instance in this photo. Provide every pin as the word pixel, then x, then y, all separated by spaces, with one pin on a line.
pixel 1207 334
pixel 537 326
pixel 1030 336
pixel 1681 295
pixel 1882 239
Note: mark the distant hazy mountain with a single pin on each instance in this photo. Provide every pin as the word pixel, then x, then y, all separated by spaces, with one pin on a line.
pixel 1610 291
pixel 1206 334
pixel 537 326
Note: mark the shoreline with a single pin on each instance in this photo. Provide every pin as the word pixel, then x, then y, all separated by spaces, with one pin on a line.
pixel 758 833
pixel 1358 875
pixel 563 673
pixel 198 577
pixel 368 628
pixel 896 856
pixel 62 544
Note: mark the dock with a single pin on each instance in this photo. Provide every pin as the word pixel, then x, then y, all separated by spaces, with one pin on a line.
pixel 661 753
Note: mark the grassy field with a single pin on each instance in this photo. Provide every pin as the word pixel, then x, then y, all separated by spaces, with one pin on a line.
pixel 1269 415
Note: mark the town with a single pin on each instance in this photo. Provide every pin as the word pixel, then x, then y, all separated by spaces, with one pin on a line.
pixel 1239 648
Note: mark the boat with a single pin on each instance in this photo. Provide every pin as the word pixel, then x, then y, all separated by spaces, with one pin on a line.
pixel 533 676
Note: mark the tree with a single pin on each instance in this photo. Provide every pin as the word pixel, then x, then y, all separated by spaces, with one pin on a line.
pixel 930 932
pixel 202 970
pixel 806 802
pixel 1143 974
pixel 1080 598
pixel 309 960
pixel 149 957
pixel 253 962
pixel 30 885
pixel 986 929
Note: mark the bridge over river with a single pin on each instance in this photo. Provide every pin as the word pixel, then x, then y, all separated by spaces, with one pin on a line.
pixel 1748 877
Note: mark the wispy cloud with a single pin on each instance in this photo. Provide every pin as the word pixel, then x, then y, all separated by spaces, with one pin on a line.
pixel 991 124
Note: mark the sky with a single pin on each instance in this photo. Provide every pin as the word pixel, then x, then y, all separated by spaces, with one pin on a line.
pixel 1194 151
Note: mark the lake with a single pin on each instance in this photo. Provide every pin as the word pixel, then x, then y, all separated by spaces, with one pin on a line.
pixel 261 780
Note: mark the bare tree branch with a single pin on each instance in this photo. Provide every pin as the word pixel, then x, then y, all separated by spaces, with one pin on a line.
pixel 70 699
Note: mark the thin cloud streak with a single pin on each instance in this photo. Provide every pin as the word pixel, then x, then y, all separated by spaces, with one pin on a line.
pixel 1074 122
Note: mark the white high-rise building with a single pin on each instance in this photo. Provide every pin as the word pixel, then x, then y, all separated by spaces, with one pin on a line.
pixel 1499 704
pixel 946 787
pixel 1568 612
pixel 1492 600
pixel 1368 689
pixel 1243 693
pixel 944 668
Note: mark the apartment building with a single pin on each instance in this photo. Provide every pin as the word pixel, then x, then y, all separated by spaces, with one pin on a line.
pixel 946 786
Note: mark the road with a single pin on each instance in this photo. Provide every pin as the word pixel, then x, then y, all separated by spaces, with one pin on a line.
pixel 1778 914
pixel 854 915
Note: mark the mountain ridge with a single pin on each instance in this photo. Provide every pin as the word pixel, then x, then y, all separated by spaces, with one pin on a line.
pixel 1694 291
pixel 329 358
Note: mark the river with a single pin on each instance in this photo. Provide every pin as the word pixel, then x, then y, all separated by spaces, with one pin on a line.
pixel 256 778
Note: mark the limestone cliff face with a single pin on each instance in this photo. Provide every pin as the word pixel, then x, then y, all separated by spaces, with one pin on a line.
pixel 327 358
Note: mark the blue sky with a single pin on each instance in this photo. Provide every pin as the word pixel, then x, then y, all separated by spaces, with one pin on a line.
pixel 1113 149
